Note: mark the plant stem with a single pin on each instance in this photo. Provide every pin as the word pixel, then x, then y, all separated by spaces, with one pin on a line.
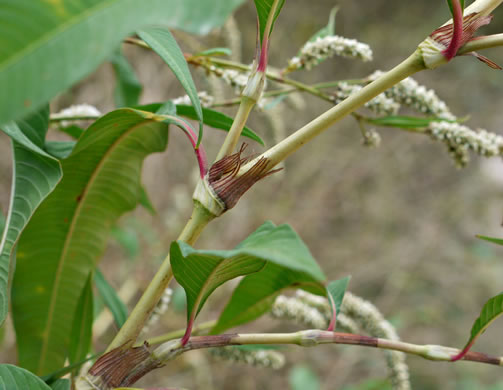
pixel 131 329
pixel 179 333
pixel 240 119
pixel 311 338
pixel 479 43
pixel 283 149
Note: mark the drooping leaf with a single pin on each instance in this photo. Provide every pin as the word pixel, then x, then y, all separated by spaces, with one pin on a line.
pixel 256 293
pixel 199 272
pixel 404 122
pixel 127 88
pixel 35 174
pixel 491 310
pixel 82 328
pixel 163 43
pixel 216 51
pixel 302 377
pixel 264 8
pixel 494 240
pixel 17 378
pixel 61 384
pixel 69 231
pixel 329 29
pixel 111 299
pixel 46 46
pixel 335 291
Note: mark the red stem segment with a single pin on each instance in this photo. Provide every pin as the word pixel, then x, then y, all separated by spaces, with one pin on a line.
pixel 457 33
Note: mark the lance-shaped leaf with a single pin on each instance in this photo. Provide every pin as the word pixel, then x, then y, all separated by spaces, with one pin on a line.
pixel 329 29
pixel 163 43
pixel 494 240
pixel 111 299
pixel 290 264
pixel 69 231
pixel 490 311
pixel 35 174
pixel 200 272
pixel 264 9
pixel 61 384
pixel 335 293
pixel 127 87
pixel 17 378
pixel 403 121
pixel 46 46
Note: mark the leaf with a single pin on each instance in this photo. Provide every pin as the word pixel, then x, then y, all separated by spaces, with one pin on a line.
pixel 216 51
pixel 449 3
pixel 200 272
pixel 335 293
pixel 59 149
pixel 82 328
pixel 163 43
pixel 2 222
pixel 498 241
pixel 69 231
pixel 73 131
pixel 17 378
pixel 127 89
pixel 168 108
pixel 256 293
pixel 61 384
pixel 329 29
pixel 405 122
pixel 216 120
pixel 35 175
pixel 302 377
pixel 146 202
pixel 490 311
pixel 49 45
pixel 263 10
pixel 111 299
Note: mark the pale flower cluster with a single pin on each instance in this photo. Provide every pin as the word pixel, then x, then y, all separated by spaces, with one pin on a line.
pixel 159 310
pixel 411 94
pixel 460 140
pixel 76 110
pixel 312 53
pixel 234 78
pixel 371 139
pixel 299 312
pixel 380 105
pixel 254 357
pixel 205 98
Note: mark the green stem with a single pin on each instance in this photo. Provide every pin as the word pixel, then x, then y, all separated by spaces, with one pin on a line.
pixel 179 333
pixel 239 123
pixel 131 329
pixel 283 149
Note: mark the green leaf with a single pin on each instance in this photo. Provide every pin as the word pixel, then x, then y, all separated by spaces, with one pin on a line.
pixel 82 328
pixel 169 108
pixel 498 241
pixel 263 10
pixel 200 272
pixel 256 293
pixel 59 149
pixel 163 43
pixel 216 120
pixel 61 384
pixel 302 377
pixel 46 46
pixel 329 29
pixel 127 89
pixel 73 131
pixel 111 299
pixel 69 232
pixel 35 175
pixel 405 122
pixel 17 378
pixel 490 311
pixel 336 290
pixel 2 222
pixel 216 51
pixel 335 293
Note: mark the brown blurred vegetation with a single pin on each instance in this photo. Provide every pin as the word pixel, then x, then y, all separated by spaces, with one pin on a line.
pixel 401 219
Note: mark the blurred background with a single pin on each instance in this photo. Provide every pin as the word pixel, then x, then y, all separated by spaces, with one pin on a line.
pixel 401 218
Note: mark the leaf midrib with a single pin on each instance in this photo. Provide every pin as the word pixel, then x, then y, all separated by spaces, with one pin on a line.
pixel 62 259
pixel 44 39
